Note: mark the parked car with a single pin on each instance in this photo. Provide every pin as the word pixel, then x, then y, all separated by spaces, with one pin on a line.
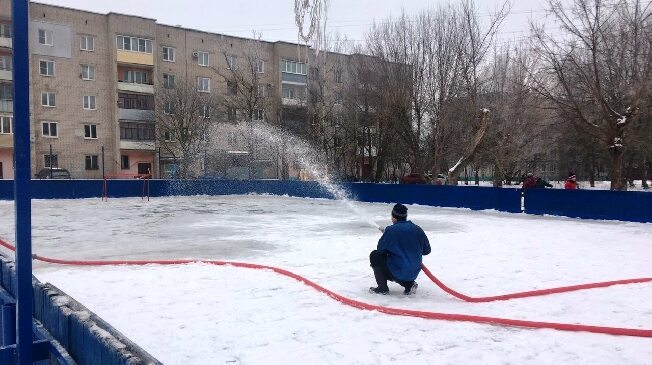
pixel 53 173
pixel 413 178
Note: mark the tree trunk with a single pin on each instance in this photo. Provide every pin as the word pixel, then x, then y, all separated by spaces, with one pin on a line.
pixel 644 172
pixel 630 172
pixel 592 169
pixel 455 171
pixel 498 176
pixel 617 181
pixel 380 169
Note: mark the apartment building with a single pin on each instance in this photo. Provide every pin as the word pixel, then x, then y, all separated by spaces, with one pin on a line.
pixel 94 78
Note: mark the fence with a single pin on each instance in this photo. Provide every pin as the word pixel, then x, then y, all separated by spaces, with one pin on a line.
pixel 591 204
pixel 65 327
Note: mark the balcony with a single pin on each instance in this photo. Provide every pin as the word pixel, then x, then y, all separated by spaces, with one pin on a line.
pixel 7 106
pixel 293 79
pixel 137 145
pixel 135 58
pixel 136 114
pixel 137 135
pixel 291 102
pixel 6 75
pixel 135 87
pixel 6 141
pixel 5 42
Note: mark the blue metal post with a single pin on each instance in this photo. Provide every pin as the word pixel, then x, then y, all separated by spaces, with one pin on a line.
pixel 22 181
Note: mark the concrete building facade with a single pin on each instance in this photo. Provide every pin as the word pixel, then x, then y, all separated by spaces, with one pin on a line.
pixel 94 78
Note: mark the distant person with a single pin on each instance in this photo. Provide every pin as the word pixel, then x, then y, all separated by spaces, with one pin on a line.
pixel 571 182
pixel 542 184
pixel 441 179
pixel 399 254
pixel 530 181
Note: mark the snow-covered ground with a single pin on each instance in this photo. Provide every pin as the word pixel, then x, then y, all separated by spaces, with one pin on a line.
pixel 203 314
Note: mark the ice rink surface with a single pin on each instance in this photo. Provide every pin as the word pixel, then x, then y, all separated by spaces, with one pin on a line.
pixel 204 314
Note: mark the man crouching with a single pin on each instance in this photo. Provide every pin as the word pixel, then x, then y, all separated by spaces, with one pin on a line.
pixel 399 253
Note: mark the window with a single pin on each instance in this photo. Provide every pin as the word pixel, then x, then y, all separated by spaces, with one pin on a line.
pixel 231 114
pixel 338 98
pixel 168 108
pixel 124 162
pixel 233 138
pixel 87 43
pixel 338 122
pixel 136 131
pixel 261 90
pixel 168 81
pixel 50 129
pixel 6 125
pixel 293 67
pixel 260 66
pixel 202 58
pixel 204 84
pixel 90 131
pixel 259 114
pixel 288 92
pixel 5 30
pixel 87 72
pixel 6 91
pixel 49 99
pixel 167 136
pixel 168 54
pixel 135 101
pixel 91 162
pixel 51 161
pixel 338 75
pixel 231 61
pixel 89 102
pixel 45 37
pixel 231 87
pixel 205 111
pixel 337 142
pixel 46 68
pixel 134 44
pixel 5 63
pixel 135 77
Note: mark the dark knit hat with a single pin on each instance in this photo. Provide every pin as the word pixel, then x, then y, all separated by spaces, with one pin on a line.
pixel 399 211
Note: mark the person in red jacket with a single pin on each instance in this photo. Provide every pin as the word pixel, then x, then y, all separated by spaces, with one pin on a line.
pixel 571 182
pixel 530 181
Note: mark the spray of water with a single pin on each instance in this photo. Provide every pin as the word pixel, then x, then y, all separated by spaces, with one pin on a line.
pixel 295 148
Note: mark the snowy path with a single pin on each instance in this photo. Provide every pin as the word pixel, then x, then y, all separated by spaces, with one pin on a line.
pixel 202 314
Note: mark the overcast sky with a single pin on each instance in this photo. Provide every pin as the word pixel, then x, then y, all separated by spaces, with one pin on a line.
pixel 275 18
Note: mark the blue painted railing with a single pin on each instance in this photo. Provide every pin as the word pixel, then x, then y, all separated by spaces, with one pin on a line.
pixel 591 204
pixel 632 206
pixel 70 333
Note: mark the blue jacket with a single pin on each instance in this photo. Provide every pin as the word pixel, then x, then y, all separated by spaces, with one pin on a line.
pixel 404 243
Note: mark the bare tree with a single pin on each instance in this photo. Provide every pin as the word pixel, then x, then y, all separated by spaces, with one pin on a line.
pixel 432 81
pixel 183 116
pixel 477 42
pixel 399 47
pixel 518 132
pixel 596 73
pixel 248 98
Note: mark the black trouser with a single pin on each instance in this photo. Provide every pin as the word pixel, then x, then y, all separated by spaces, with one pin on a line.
pixel 378 262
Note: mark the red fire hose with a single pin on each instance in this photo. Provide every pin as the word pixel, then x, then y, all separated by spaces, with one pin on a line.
pixel 399 311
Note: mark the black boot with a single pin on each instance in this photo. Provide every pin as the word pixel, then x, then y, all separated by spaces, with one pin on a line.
pixel 410 287
pixel 381 280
